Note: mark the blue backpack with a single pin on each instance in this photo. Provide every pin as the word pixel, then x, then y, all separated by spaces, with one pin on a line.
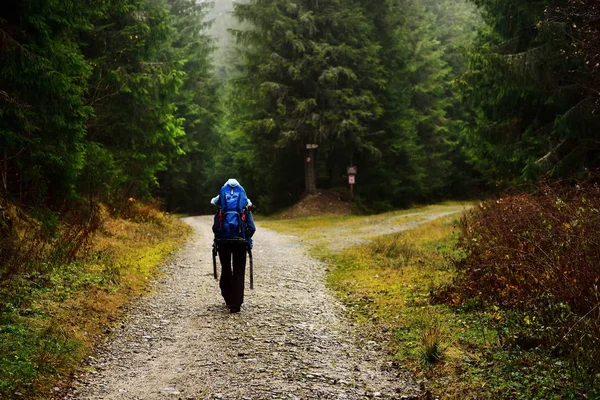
pixel 232 216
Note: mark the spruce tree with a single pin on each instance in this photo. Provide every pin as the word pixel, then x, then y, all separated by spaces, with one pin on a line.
pixel 533 115
pixel 136 79
pixel 421 158
pixel 43 85
pixel 310 69
pixel 188 183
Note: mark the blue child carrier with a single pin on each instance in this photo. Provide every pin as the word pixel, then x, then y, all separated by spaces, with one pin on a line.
pixel 233 201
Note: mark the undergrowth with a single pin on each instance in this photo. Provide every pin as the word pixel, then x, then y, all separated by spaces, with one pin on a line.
pixel 460 350
pixel 53 309
pixel 536 258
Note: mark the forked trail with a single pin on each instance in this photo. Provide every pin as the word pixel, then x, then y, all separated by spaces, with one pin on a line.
pixel 291 340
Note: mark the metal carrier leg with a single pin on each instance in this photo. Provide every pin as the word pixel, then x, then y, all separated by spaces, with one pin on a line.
pixel 251 268
pixel 214 254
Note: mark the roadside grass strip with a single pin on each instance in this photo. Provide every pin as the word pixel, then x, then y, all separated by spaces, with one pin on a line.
pixel 49 322
pixel 457 352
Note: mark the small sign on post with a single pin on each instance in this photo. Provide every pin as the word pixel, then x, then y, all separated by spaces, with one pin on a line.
pixel 312 146
pixel 351 171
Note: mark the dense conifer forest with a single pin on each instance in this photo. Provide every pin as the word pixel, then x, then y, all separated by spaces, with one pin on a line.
pixel 122 99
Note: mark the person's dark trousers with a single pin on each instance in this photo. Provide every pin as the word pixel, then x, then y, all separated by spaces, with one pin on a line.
pixel 233 272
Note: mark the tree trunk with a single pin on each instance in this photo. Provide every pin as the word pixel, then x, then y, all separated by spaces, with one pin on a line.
pixel 310 172
pixel 4 173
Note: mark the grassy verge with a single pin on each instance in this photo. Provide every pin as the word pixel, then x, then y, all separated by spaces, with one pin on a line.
pixel 469 351
pixel 459 352
pixel 387 284
pixel 50 321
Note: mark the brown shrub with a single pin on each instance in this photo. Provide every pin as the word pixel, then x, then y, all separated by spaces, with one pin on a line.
pixel 142 212
pixel 535 246
pixel 36 241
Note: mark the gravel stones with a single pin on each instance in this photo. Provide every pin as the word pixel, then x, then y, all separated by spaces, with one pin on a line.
pixel 291 340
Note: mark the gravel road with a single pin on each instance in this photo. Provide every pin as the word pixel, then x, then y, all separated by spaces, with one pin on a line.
pixel 291 340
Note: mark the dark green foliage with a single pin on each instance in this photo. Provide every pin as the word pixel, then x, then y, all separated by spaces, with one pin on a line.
pixel 370 83
pixel 97 99
pixel 136 80
pixel 188 184
pixel 421 154
pixel 107 101
pixel 309 75
pixel 533 111
pixel 43 83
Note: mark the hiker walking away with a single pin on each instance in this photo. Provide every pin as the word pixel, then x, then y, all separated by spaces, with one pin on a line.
pixel 233 228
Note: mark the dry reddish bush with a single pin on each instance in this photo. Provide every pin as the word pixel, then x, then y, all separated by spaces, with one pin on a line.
pixel 527 248
pixel 142 212
pixel 35 242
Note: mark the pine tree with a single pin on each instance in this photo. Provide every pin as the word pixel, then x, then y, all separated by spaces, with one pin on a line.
pixel 309 74
pixel 43 85
pixel 136 79
pixel 532 114
pixel 188 182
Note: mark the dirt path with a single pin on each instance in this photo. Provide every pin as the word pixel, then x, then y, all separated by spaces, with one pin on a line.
pixel 342 238
pixel 291 340
pixel 334 234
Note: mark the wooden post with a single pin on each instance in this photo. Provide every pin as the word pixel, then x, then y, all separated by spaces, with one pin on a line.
pixel 310 170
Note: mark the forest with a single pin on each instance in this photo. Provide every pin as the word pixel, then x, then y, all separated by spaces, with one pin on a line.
pixel 118 108
pixel 430 99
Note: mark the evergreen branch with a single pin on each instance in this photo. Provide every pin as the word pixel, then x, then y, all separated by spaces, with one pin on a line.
pixel 524 55
pixel 5 97
pixel 7 41
pixel 545 161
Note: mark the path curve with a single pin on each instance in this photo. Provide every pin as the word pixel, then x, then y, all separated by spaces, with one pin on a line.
pixel 353 236
pixel 291 340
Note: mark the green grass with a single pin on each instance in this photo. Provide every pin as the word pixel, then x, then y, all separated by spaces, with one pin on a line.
pixel 50 321
pixel 463 352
